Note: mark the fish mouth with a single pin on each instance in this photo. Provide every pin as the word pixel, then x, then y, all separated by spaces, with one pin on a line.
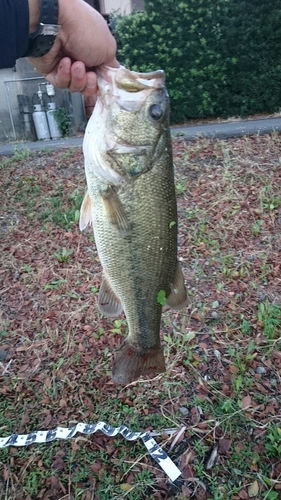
pixel 131 81
pixel 129 88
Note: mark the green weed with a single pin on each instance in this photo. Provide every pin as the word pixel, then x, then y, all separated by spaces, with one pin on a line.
pixel 63 254
pixel 273 441
pixel 53 285
pixel 63 120
pixel 256 227
pixel 269 318
pixel 181 186
pixel 22 153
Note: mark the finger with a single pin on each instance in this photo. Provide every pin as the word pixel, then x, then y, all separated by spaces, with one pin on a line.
pixel 91 87
pixel 74 77
pixel 78 77
pixel 61 76
pixel 69 76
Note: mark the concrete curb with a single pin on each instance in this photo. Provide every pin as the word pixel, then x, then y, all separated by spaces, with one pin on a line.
pixel 222 130
pixel 70 142
pixel 227 130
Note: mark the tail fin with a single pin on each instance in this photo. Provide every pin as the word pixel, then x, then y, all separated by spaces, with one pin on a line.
pixel 129 364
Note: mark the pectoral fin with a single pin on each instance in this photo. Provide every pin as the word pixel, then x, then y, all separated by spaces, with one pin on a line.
pixel 177 297
pixel 85 212
pixel 115 210
pixel 108 303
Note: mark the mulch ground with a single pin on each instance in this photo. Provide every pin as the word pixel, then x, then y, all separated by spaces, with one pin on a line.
pixel 222 351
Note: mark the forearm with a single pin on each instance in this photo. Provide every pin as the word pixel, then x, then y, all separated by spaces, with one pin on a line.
pixel 83 41
pixel 83 36
pixel 34 12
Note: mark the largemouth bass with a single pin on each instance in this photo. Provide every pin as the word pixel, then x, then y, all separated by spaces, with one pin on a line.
pixel 131 203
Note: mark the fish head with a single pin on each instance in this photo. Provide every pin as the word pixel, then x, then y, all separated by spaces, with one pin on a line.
pixel 137 103
pixel 131 115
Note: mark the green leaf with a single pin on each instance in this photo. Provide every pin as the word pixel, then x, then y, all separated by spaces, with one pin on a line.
pixel 272 495
pixel 161 297
pixel 187 337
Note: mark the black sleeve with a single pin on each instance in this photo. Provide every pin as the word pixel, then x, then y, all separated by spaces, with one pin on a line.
pixel 14 31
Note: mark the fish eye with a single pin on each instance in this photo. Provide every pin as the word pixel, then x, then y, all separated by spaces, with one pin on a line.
pixel 155 111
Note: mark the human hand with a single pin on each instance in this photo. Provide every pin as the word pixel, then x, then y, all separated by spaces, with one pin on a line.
pixel 84 40
pixel 74 77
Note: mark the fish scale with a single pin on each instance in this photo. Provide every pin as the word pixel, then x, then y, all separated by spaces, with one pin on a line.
pixel 147 253
pixel 139 258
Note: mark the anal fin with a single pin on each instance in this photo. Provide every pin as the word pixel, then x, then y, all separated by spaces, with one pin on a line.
pixel 108 303
pixel 177 298
pixel 85 212
pixel 129 364
pixel 115 210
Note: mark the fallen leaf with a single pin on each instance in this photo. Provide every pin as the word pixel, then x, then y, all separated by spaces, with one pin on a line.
pixel 75 446
pixel 187 492
pixel 58 464
pixel 212 458
pixel 246 402
pixel 224 445
pixel 6 473
pixel 186 472
pixel 187 458
pixel 253 489
pixel 126 487
pixel 243 494
pixel 25 418
pixel 95 467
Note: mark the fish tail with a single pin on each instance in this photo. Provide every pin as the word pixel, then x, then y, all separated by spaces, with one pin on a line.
pixel 129 364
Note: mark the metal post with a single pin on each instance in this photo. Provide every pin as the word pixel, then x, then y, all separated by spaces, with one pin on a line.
pixel 10 111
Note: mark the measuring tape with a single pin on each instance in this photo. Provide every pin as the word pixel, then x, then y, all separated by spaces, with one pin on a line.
pixel 155 451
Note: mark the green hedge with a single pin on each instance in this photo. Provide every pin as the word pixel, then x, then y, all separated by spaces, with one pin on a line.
pixel 252 35
pixel 221 57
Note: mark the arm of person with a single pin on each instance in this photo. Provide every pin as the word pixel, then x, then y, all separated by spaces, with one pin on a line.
pixel 14 31
pixel 84 40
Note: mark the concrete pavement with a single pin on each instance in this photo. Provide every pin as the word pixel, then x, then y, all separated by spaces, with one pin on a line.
pixel 228 129
pixel 221 130
pixel 69 142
